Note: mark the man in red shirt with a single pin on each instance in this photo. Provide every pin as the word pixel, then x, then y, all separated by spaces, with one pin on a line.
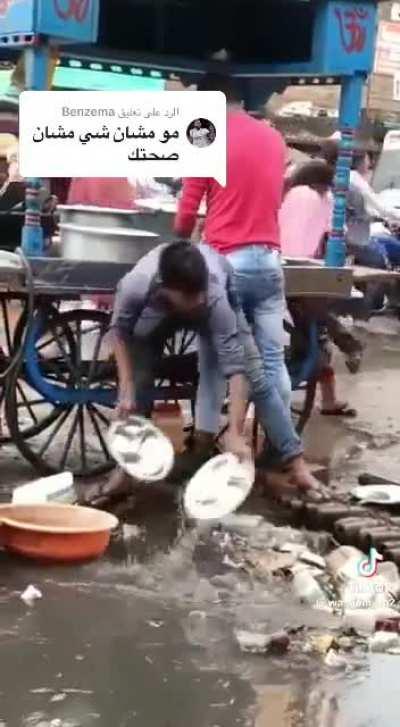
pixel 242 223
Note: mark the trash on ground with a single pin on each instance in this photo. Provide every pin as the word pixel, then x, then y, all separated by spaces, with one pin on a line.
pixel 131 532
pixel 335 661
pixel 377 495
pixel 308 590
pixel 57 488
pixel 343 561
pixel 253 643
pixel 242 523
pixel 271 562
pixel 260 643
pixel 356 592
pixel 312 559
pixel 31 594
pixel 302 553
pixel 322 643
pixel 382 641
pixel 364 620
pixel 388 624
pixel 58 698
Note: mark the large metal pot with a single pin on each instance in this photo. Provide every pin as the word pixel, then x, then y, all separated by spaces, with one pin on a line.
pixel 154 219
pixel 90 216
pixel 117 245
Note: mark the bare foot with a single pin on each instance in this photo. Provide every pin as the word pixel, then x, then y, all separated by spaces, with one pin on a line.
pixel 300 477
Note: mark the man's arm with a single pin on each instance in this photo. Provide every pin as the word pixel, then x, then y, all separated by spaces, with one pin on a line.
pixel 193 192
pixel 129 301
pixel 373 204
pixel 126 399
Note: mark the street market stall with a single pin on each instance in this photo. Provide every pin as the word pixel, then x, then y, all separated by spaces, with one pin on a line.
pixel 60 379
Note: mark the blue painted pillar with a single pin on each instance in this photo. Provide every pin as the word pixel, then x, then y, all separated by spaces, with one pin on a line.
pixel 36 69
pixel 350 106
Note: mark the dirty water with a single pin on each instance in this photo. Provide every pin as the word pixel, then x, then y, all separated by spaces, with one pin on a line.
pixel 145 637
pixel 146 641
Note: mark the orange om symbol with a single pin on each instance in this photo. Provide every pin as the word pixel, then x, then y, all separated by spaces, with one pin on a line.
pixel 353 33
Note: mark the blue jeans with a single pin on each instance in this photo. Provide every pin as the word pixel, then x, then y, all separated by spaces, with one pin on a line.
pixel 390 247
pixel 259 286
pixel 379 252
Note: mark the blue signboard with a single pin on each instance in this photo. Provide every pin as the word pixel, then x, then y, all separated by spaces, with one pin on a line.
pixel 344 39
pixel 63 20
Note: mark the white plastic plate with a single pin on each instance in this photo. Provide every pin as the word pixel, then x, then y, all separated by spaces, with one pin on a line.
pixel 378 494
pixel 141 449
pixel 219 487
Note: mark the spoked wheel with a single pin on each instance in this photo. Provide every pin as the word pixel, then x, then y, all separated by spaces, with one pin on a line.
pixel 69 387
pixel 8 347
pixel 32 409
pixel 177 370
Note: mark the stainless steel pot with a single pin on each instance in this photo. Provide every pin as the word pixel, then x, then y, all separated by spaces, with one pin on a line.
pixel 115 244
pixel 153 220
pixel 89 216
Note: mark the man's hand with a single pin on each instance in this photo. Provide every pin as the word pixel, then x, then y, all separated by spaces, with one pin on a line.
pixel 236 443
pixel 125 406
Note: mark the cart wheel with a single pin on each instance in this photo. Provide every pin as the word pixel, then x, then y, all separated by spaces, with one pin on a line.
pixel 179 366
pixel 7 349
pixel 180 344
pixel 74 385
pixel 34 415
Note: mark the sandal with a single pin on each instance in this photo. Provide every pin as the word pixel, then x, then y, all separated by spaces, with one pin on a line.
pixel 340 411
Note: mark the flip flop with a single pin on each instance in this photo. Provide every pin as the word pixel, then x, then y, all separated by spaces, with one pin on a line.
pixel 339 411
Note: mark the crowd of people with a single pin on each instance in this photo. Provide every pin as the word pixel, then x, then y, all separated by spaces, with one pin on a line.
pixel 230 289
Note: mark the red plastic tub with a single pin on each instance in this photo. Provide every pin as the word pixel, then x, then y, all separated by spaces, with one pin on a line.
pixel 51 532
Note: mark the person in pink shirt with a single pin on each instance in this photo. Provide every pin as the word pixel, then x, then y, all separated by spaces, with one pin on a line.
pixel 116 192
pixel 306 213
pixel 242 223
pixel 305 220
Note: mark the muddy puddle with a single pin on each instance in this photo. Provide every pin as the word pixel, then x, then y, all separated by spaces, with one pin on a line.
pixel 147 637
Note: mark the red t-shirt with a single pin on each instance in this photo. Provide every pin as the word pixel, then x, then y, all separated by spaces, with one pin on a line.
pixel 246 210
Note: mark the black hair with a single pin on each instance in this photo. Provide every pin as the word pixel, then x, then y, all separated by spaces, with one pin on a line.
pixel 330 151
pixel 182 267
pixel 220 80
pixel 315 174
pixel 359 156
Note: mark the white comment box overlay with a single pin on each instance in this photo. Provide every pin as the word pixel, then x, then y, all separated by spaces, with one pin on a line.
pixel 123 134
